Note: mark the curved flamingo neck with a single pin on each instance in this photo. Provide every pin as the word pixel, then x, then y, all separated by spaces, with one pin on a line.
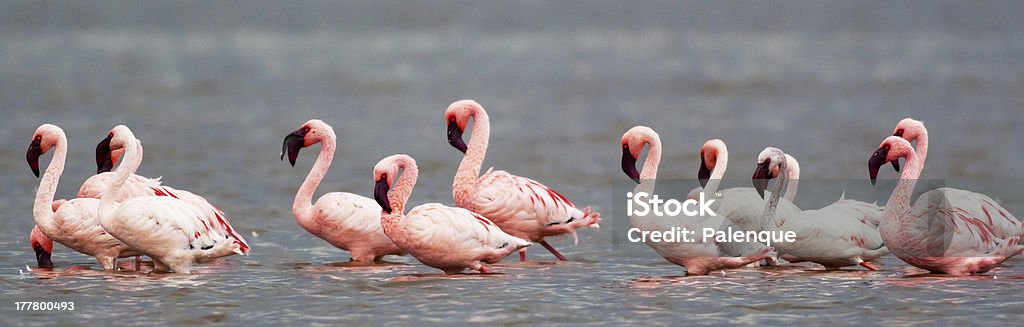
pixel 721 163
pixel 899 201
pixel 922 144
pixel 650 168
pixel 303 205
pixel 469 169
pixel 42 208
pixel 793 171
pixel 129 162
pixel 771 206
pixel 400 192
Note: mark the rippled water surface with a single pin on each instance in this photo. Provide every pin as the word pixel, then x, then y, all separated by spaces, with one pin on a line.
pixel 212 89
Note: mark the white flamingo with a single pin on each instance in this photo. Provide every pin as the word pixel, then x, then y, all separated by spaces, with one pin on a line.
pixel 741 205
pixel 170 230
pixel 699 257
pixel 834 236
pixel 521 206
pixel 348 221
pixel 1001 221
pixel 74 223
pixel 137 185
pixel 937 233
pixel 448 238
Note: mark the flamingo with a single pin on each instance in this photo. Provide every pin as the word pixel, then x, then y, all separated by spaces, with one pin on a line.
pixel 519 205
pixel 834 236
pixel 699 257
pixel 937 233
pixel 137 185
pixel 74 223
pixel 741 205
pixel 448 238
pixel 1002 223
pixel 349 222
pixel 868 212
pixel 170 230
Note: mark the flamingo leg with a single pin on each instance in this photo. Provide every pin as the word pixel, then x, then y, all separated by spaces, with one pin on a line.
pixel 138 262
pixel 553 251
pixel 522 255
pixel 868 265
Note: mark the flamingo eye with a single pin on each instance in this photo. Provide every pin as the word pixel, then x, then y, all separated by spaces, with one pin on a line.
pixel 625 146
pixel 899 132
pixel 38 138
pixel 886 147
pixel 305 129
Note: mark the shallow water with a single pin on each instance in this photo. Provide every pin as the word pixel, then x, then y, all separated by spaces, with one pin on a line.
pixel 213 90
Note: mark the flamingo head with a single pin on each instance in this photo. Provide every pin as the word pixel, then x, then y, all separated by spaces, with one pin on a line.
pixel 45 137
pixel 111 148
pixel 633 142
pixel 891 149
pixel 457 116
pixel 384 174
pixel 43 247
pixel 769 166
pixel 709 154
pixel 312 132
pixel 909 129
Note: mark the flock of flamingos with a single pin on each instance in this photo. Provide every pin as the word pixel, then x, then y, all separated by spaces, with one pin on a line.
pixel 119 214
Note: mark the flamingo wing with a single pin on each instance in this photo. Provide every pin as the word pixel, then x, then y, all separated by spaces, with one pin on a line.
pixel 501 195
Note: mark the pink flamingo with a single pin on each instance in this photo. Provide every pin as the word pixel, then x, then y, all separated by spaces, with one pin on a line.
pixel 349 222
pixel 170 230
pixel 936 234
pixel 699 258
pixel 520 206
pixel 74 223
pixel 1002 223
pixel 447 238
pixel 834 236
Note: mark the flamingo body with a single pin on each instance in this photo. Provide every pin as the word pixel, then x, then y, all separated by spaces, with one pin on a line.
pixel 447 238
pixel 347 221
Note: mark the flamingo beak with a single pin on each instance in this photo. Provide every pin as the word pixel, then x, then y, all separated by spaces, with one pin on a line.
pixel 629 165
pixel 455 136
pixel 762 175
pixel 703 173
pixel 104 162
pixel 380 193
pixel 34 151
pixel 292 144
pixel 876 161
pixel 42 256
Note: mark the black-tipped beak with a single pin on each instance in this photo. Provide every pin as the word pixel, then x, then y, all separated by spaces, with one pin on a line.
pixel 762 175
pixel 703 173
pixel 380 193
pixel 292 144
pixel 876 161
pixel 629 165
pixel 34 151
pixel 896 165
pixel 42 257
pixel 104 161
pixel 455 136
